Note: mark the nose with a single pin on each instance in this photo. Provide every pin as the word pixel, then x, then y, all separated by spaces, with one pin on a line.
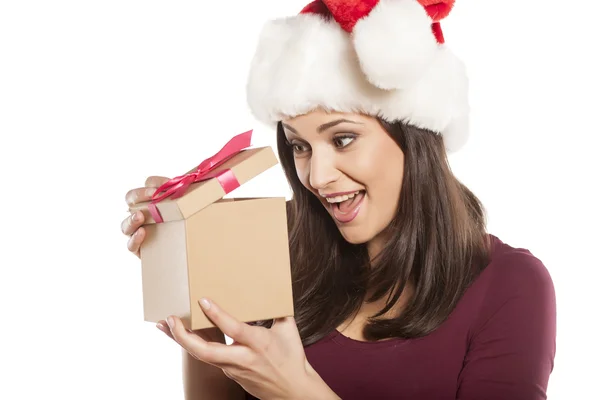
pixel 323 170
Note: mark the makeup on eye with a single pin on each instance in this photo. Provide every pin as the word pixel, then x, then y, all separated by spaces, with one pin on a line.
pixel 344 137
pixel 340 141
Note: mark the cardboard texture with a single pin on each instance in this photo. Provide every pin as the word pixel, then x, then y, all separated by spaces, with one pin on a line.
pixel 234 251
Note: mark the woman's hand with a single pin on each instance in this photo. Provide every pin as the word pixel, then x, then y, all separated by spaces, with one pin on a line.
pixel 267 363
pixel 132 225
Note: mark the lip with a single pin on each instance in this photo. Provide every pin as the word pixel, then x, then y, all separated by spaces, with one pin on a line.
pixel 349 217
pixel 328 195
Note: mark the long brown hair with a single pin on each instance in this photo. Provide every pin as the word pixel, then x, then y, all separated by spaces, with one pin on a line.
pixel 438 242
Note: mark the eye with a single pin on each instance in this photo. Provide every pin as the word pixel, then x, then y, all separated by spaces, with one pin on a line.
pixel 343 140
pixel 298 148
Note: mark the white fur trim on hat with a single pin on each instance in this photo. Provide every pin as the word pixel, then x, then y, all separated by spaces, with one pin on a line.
pixel 307 62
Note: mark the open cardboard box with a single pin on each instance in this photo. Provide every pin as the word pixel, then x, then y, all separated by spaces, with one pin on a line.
pixel 234 251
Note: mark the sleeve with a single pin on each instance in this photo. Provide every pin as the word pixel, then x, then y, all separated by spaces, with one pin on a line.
pixel 512 347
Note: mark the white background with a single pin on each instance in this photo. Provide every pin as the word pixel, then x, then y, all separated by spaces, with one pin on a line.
pixel 97 95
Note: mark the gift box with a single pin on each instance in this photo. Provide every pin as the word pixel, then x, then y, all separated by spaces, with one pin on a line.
pixel 198 244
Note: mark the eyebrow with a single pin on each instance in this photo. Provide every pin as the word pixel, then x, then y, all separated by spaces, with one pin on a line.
pixel 324 126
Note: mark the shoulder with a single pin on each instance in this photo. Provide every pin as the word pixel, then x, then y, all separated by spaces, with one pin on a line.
pixel 517 272
pixel 517 295
pixel 512 342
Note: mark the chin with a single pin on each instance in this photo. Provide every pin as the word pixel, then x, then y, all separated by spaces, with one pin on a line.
pixel 355 235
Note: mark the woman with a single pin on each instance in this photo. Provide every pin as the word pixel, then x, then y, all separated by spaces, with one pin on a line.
pixel 399 290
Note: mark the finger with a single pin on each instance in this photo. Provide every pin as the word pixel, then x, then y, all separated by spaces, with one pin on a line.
pixel 162 325
pixel 214 353
pixel 228 374
pixel 135 241
pixel 139 195
pixel 132 223
pixel 208 334
pixel 213 334
pixel 238 331
pixel 155 181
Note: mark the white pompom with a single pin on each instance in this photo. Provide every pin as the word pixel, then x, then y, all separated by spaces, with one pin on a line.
pixel 394 43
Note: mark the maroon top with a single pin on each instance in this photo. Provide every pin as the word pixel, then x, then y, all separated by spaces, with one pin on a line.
pixel 499 343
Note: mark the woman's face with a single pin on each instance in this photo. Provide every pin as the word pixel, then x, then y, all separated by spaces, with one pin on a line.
pixel 352 165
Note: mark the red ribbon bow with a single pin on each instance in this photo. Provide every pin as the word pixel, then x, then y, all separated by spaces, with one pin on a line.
pixel 177 186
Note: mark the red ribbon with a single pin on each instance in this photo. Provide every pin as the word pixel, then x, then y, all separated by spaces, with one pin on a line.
pixel 177 186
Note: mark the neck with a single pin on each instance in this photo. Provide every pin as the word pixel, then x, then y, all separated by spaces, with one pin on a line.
pixel 374 247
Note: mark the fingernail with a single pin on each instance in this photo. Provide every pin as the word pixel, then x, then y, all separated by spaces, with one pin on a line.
pixel 134 216
pixel 170 322
pixel 150 192
pixel 161 327
pixel 205 304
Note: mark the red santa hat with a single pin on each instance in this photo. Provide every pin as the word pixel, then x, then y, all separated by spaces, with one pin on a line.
pixel 383 58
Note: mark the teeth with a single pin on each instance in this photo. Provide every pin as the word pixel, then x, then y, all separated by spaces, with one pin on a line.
pixel 339 199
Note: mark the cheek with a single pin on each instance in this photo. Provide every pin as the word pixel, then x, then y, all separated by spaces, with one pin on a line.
pixel 391 185
pixel 382 176
pixel 392 172
pixel 371 171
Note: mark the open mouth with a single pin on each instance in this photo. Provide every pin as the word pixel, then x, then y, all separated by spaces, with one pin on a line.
pixel 345 208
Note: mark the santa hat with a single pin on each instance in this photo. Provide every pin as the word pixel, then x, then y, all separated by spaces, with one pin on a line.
pixel 383 58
